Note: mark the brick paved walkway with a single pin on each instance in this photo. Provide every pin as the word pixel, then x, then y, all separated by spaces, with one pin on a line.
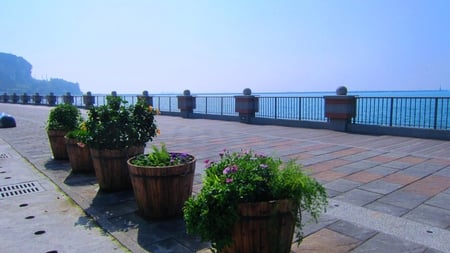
pixel 387 194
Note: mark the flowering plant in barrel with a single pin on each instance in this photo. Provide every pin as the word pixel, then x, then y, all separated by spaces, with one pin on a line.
pixel 118 125
pixel 249 189
pixel 117 131
pixel 162 181
pixel 62 119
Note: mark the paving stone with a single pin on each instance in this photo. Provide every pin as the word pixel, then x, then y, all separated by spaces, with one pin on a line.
pixel 325 241
pixel 380 186
pixel 397 165
pixel 444 172
pixel 387 243
pixel 398 178
pixel 384 158
pixel 429 186
pixel 441 200
pixel 363 177
pixel 355 231
pixel 381 170
pixel 358 197
pixel 169 246
pixel 342 185
pixel 328 176
pixel 421 170
pixel 355 167
pixel 432 251
pixel 362 156
pixel 387 208
pixel 412 159
pixel 403 199
pixel 312 227
pixel 430 215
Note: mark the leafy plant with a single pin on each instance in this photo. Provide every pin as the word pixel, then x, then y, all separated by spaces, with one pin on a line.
pixel 65 117
pixel 241 177
pixel 161 157
pixel 117 125
pixel 79 134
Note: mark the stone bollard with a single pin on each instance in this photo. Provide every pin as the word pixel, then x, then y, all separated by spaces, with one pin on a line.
pixel 25 98
pixel 340 109
pixel 37 99
pixel 88 100
pixel 51 99
pixel 147 99
pixel 246 105
pixel 186 104
pixel 68 98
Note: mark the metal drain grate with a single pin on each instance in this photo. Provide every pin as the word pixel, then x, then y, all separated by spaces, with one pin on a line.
pixel 4 156
pixel 20 189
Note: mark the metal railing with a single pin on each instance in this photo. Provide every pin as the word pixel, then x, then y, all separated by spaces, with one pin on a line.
pixel 413 112
pixel 292 108
pixel 410 112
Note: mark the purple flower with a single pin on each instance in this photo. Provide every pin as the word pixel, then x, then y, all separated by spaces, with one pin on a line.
pixel 234 168
pixel 228 180
pixel 227 170
pixel 264 166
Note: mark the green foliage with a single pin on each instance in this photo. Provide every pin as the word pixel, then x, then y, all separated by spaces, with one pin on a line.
pixel 161 157
pixel 117 125
pixel 242 177
pixel 64 117
pixel 80 133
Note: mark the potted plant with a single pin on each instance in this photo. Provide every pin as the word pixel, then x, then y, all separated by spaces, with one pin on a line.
pixel 62 119
pixel 77 151
pixel 252 203
pixel 162 181
pixel 116 132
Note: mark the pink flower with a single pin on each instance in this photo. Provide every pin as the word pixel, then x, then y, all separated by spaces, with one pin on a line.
pixel 228 180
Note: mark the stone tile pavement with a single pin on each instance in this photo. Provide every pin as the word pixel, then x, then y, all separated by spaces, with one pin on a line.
pixel 387 194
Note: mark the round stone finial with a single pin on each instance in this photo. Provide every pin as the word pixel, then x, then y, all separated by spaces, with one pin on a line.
pixel 145 93
pixel 187 92
pixel 341 90
pixel 89 93
pixel 114 93
pixel 247 92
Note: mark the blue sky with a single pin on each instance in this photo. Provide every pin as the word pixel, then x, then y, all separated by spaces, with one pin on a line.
pixel 229 45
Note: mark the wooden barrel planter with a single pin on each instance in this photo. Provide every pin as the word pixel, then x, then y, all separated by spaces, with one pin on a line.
pixel 79 157
pixel 111 168
pixel 160 192
pixel 58 144
pixel 265 227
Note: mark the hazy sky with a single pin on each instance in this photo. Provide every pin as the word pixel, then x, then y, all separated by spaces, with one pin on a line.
pixel 228 45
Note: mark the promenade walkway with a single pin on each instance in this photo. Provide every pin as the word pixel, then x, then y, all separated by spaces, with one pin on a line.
pixel 387 194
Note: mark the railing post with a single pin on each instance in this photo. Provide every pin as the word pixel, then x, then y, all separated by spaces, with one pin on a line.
pixel 25 98
pixel 88 100
pixel 340 109
pixel 37 99
pixel 5 98
pixel 246 105
pixel 15 98
pixel 68 98
pixel 148 99
pixel 51 99
pixel 435 112
pixel 391 112
pixel 186 104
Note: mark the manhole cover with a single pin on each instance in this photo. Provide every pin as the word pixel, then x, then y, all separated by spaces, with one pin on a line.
pixel 4 156
pixel 12 190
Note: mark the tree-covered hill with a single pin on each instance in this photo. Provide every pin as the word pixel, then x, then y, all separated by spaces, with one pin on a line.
pixel 15 77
